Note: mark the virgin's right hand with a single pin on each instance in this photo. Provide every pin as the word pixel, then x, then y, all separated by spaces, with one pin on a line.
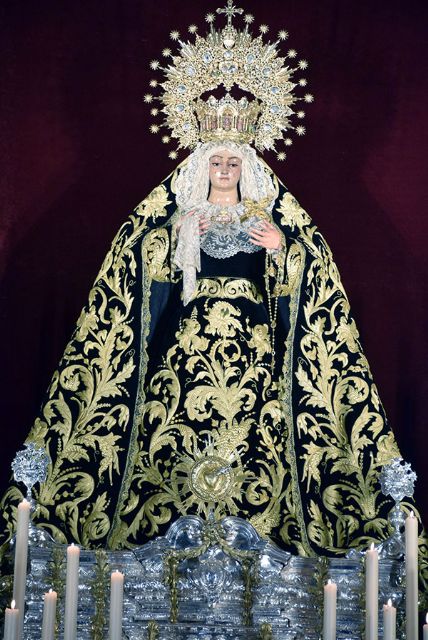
pixel 204 223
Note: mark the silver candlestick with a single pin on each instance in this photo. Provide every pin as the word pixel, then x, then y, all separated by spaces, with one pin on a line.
pixel 398 481
pixel 30 466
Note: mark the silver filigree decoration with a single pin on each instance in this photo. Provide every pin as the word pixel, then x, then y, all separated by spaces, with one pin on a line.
pixel 212 575
pixel 30 466
pixel 397 479
pixel 286 596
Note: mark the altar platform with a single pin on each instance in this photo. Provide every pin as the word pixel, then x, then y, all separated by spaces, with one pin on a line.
pixel 208 580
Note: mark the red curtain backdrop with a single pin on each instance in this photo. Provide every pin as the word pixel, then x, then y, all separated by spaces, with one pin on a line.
pixel 77 156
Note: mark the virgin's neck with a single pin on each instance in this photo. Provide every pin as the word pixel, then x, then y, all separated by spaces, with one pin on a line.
pixel 223 197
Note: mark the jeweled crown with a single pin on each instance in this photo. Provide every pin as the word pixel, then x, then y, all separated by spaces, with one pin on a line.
pixel 231 58
pixel 227 119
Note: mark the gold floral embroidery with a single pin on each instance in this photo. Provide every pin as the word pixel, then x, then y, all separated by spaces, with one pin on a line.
pixel 260 340
pixel 341 433
pixel 221 398
pixel 188 337
pixel 156 254
pixel 227 288
pixel 155 204
pixel 292 214
pixel 222 320
pixel 87 398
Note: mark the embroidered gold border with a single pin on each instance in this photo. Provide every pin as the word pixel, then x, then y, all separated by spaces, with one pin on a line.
pixel 227 287
pixel 287 386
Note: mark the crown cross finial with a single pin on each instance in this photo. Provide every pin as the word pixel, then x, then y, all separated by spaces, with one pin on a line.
pixel 230 10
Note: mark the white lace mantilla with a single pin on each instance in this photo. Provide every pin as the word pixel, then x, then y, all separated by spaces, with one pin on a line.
pixel 226 236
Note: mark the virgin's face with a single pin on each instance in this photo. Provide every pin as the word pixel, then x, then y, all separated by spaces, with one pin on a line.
pixel 225 170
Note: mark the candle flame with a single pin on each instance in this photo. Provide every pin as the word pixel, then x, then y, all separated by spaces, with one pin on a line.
pixel 412 515
pixel 426 619
pixel 329 582
pixel 389 602
pixel 372 546
pixel 12 606
pixel 50 590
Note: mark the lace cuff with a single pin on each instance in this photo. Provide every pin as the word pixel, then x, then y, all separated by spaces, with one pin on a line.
pixel 188 254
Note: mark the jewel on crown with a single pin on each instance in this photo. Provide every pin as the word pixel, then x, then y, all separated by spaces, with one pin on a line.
pixel 227 118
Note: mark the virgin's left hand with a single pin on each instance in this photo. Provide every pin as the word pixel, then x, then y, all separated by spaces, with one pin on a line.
pixel 265 235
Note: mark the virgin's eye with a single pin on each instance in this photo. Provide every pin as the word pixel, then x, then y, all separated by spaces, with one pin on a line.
pixel 215 164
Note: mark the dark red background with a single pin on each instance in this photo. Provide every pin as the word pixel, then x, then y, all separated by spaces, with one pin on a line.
pixel 78 156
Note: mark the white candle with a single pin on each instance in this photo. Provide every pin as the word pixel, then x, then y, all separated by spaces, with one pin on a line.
pixel 411 577
pixel 372 593
pixel 20 569
pixel 11 622
pixel 426 628
pixel 49 614
pixel 71 593
pixel 116 605
pixel 389 621
pixel 330 597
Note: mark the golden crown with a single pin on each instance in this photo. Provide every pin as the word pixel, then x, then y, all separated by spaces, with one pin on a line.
pixel 227 119
pixel 228 57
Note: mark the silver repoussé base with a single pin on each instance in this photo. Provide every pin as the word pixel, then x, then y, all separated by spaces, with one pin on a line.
pixel 210 600
pixel 213 580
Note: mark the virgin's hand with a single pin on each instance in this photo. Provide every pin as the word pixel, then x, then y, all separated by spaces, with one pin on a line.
pixel 204 225
pixel 203 222
pixel 265 235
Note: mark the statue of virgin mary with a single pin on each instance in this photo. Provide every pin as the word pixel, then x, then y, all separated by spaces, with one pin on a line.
pixel 216 367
